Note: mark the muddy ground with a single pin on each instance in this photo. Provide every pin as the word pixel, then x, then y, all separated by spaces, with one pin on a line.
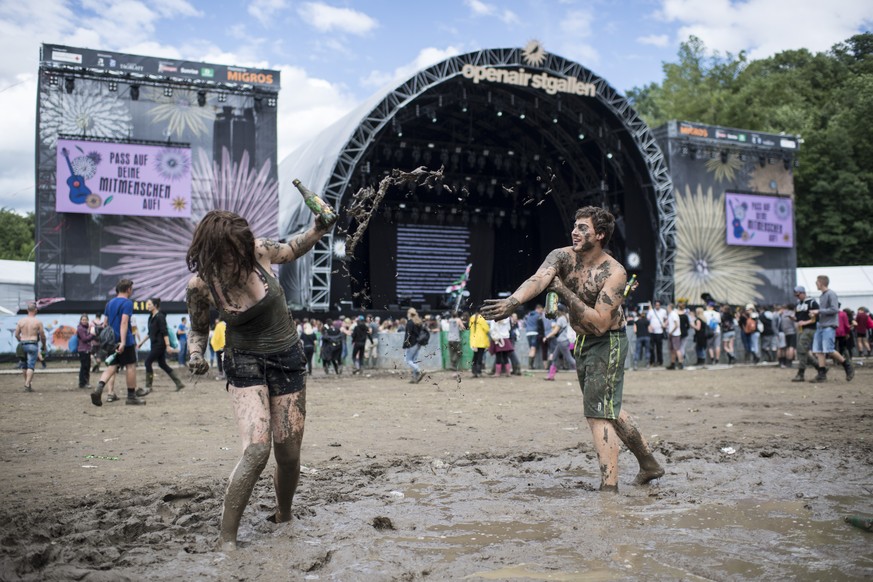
pixel 489 479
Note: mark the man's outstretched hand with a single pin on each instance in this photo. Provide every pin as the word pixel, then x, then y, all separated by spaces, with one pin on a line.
pixel 497 309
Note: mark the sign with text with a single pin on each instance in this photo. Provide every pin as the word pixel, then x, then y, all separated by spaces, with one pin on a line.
pixel 122 178
pixel 759 221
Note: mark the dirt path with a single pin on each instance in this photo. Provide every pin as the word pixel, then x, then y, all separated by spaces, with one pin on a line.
pixel 486 479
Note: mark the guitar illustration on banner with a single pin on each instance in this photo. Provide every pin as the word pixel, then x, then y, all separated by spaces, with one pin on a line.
pixel 79 191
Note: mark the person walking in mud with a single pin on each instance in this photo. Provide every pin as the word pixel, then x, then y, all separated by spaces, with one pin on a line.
pixel 159 338
pixel 264 360
pixel 119 313
pixel 30 333
pixel 592 283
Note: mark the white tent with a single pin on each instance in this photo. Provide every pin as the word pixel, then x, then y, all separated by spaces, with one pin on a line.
pixel 853 285
pixel 16 285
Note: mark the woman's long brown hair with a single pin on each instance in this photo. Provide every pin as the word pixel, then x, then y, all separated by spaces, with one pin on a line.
pixel 223 249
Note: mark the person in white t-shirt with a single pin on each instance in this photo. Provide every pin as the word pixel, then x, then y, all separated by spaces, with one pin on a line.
pixel 657 321
pixel 674 336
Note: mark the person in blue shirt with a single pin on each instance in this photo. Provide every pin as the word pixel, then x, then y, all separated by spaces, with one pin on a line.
pixel 535 332
pixel 118 313
pixel 182 335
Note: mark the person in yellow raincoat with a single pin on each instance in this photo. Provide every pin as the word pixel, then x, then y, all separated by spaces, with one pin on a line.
pixel 479 341
pixel 217 343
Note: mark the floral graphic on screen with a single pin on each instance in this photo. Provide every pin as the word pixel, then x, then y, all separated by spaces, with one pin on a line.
pixel 705 263
pixel 181 112
pixel 152 250
pixel 91 111
pixel 172 163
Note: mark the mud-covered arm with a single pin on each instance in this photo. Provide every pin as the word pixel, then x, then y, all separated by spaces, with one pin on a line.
pixel 298 245
pixel 606 313
pixel 199 302
pixel 497 309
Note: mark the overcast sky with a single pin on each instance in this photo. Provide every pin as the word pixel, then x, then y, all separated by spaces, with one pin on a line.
pixel 333 55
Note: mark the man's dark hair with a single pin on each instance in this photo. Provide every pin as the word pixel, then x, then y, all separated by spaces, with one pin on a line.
pixel 223 249
pixel 123 286
pixel 156 302
pixel 602 219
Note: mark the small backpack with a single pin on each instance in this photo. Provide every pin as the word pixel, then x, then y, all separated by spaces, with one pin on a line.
pixel 423 335
pixel 106 339
pixel 73 344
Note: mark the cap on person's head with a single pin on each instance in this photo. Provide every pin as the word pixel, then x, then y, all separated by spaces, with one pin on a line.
pixel 750 307
pixel 360 318
pixel 800 289
pixel 710 304
pixel 31 306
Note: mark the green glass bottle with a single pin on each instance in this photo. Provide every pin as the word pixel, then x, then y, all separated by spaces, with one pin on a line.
pixel 319 207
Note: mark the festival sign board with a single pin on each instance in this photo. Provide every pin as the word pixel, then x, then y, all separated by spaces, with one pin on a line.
pixel 759 221
pixel 123 179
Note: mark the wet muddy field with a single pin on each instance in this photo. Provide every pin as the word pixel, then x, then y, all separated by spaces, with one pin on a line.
pixel 450 479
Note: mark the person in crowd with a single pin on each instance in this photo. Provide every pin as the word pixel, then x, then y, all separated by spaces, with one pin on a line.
pixel 699 326
pixel 591 283
pixel 360 336
pixel 264 361
pixel 534 333
pixel 501 343
pixel 728 333
pixel 479 342
pixel 787 336
pixel 455 326
pixel 119 315
pixel 308 338
pixel 332 340
pixel 217 342
pixel 560 343
pixel 863 325
pixel 644 338
pixel 804 318
pixel 823 341
pixel 712 321
pixel 159 342
pixel 673 331
pixel 411 345
pixel 657 331
pixel 769 334
pixel 85 337
pixel 845 340
pixel 371 351
pixel 30 333
pixel 182 337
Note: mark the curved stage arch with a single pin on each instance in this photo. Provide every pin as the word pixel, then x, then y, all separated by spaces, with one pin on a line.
pixel 525 136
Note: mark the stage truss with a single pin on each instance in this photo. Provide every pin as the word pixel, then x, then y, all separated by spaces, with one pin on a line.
pixel 382 115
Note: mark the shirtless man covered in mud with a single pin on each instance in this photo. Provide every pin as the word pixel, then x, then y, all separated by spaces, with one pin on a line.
pixel 592 283
pixel 30 333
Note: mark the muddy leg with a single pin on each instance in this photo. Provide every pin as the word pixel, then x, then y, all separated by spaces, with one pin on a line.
pixel 627 431
pixel 606 444
pixel 252 413
pixel 287 413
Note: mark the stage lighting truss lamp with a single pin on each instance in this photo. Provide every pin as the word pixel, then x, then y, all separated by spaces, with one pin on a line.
pixel 222 97
pixel 608 155
pixel 113 86
pixel 53 80
pixel 271 101
pixel 723 156
pixel 201 98
pixel 69 85
pixel 168 91
pixel 463 106
pixel 581 135
pixel 499 113
pixel 134 92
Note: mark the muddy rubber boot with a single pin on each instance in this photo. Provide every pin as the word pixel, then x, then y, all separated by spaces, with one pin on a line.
pixel 822 376
pixel 850 371
pixel 176 380
pixel 799 376
pixel 150 379
pixel 97 394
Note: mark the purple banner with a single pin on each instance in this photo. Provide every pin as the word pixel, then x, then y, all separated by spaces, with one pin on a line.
pixel 125 179
pixel 759 221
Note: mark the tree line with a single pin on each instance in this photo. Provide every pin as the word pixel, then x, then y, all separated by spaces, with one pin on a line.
pixel 826 98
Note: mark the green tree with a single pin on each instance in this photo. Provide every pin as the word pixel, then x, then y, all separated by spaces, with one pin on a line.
pixel 16 235
pixel 827 98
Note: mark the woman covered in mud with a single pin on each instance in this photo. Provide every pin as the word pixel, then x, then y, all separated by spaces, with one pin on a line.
pixel 264 361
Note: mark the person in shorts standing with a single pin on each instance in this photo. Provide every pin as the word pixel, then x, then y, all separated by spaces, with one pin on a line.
pixel 592 283
pixel 823 341
pixel 804 318
pixel 30 333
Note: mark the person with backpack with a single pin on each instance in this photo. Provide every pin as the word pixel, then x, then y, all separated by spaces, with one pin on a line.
pixel 117 340
pixel 159 338
pixel 332 339
pixel 412 338
pixel 360 335
pixel 728 333
pixel 769 334
pixel 712 320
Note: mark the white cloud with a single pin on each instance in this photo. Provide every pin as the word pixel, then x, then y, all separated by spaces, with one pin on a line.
pixel 479 8
pixel 765 27
pixel 659 40
pixel 17 181
pixel 425 58
pixel 325 18
pixel 307 105
pixel 576 34
pixel 265 10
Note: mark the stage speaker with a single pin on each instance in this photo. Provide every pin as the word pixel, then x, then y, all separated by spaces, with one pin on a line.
pixel 425 307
